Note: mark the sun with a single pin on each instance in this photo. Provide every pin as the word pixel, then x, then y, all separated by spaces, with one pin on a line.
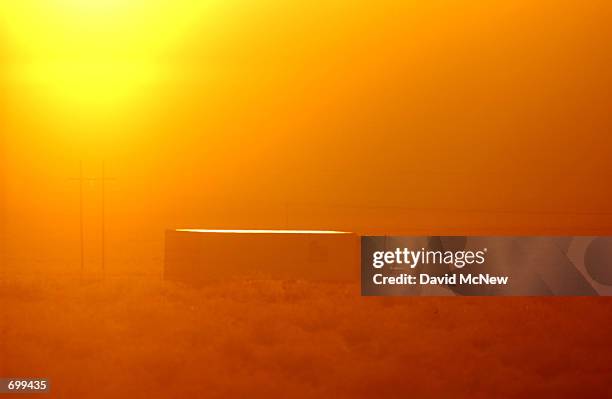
pixel 72 28
pixel 93 54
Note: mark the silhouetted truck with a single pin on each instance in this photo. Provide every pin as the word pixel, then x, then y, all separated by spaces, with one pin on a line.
pixel 198 256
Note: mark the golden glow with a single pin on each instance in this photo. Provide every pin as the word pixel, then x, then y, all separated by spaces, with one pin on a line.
pixel 91 54
pixel 88 85
pixel 263 231
pixel 43 29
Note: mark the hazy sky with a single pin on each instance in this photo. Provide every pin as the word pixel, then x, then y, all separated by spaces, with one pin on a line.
pixel 267 114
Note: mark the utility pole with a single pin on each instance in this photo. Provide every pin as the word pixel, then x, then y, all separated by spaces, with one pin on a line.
pixel 103 219
pixel 82 179
pixel 81 219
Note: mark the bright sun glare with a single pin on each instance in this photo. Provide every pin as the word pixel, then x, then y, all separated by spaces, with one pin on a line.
pixel 92 54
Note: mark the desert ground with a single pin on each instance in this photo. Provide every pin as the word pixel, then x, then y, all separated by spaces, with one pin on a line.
pixel 147 338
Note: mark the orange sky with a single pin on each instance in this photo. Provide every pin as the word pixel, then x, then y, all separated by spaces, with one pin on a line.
pixel 430 117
